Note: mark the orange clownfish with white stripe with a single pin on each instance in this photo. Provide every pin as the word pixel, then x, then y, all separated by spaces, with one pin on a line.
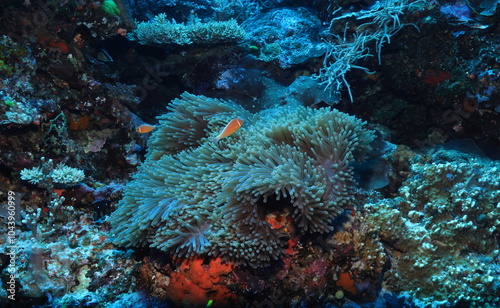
pixel 230 129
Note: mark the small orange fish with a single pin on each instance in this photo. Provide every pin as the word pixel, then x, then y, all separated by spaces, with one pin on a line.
pixel 145 128
pixel 230 129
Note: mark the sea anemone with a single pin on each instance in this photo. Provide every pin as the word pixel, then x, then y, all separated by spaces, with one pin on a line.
pixel 193 196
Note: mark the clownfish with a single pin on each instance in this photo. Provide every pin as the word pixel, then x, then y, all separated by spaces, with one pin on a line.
pixel 230 129
pixel 145 128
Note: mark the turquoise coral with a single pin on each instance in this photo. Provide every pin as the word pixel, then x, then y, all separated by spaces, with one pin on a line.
pixel 162 32
pixel 193 196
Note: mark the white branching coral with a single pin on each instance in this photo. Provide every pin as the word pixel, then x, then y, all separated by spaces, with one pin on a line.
pixel 33 175
pixel 46 174
pixel 380 22
pixel 66 175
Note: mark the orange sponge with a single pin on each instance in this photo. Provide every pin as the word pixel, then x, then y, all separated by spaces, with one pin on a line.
pixel 193 284
pixel 347 283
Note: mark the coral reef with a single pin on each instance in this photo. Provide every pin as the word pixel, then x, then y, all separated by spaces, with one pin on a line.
pixel 283 212
pixel 241 81
pixel 194 197
pixel 86 261
pixel 289 36
pixel 307 91
pixel 443 229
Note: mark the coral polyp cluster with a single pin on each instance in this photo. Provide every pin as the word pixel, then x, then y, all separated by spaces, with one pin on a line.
pixel 193 196
pixel 443 227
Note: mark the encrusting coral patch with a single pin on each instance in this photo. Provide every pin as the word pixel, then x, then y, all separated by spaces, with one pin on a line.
pixel 443 229
pixel 193 196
